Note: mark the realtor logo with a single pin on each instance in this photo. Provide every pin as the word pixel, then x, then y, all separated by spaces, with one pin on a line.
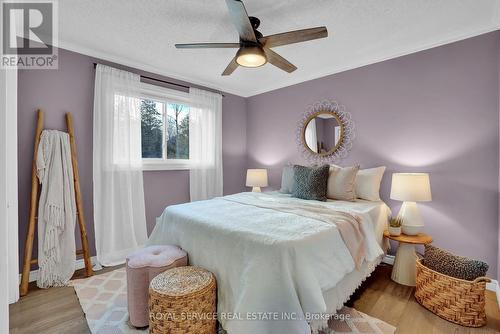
pixel 29 34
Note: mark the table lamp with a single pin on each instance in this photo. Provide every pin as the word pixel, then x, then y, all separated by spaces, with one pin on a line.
pixel 411 188
pixel 256 178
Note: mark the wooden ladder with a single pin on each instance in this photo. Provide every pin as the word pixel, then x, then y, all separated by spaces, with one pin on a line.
pixel 28 247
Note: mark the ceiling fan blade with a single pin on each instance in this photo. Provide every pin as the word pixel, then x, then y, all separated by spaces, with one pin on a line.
pixel 231 67
pixel 278 61
pixel 241 21
pixel 207 45
pixel 296 36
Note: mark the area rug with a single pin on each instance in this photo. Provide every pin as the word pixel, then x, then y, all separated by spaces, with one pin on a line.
pixel 104 301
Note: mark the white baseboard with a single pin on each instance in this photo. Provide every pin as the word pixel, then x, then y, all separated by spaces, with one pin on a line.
pixel 388 259
pixel 492 286
pixel 495 287
pixel 79 264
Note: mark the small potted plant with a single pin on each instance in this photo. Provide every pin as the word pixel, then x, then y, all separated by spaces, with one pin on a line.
pixel 395 226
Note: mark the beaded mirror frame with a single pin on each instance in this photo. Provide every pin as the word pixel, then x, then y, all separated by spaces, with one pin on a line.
pixel 344 144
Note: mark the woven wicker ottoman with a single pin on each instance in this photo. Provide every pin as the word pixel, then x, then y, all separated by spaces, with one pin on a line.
pixel 183 300
pixel 142 266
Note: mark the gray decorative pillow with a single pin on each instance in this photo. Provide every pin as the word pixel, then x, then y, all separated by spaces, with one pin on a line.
pixel 287 180
pixel 310 182
pixel 452 265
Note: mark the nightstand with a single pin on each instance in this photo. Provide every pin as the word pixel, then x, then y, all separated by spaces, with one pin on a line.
pixel 404 269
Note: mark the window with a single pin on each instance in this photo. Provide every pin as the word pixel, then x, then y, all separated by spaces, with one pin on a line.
pixel 177 131
pixel 164 129
pixel 152 129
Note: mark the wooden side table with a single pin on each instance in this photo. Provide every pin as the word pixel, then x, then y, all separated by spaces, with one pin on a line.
pixel 404 269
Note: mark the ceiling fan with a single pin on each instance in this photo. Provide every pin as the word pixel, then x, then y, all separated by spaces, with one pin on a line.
pixel 254 48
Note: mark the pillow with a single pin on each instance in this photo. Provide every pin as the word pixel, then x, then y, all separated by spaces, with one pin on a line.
pixel 287 180
pixel 368 183
pixel 452 265
pixel 310 182
pixel 342 182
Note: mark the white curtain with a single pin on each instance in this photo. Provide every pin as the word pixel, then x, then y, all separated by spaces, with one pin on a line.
pixel 205 144
pixel 119 214
pixel 310 135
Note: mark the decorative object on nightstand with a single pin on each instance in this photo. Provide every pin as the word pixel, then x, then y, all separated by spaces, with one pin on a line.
pixel 404 269
pixel 395 226
pixel 411 188
pixel 256 178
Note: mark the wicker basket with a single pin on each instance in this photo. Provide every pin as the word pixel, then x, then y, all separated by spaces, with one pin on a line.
pixel 453 299
pixel 183 300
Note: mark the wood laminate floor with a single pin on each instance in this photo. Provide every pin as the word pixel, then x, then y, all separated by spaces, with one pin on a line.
pixel 57 310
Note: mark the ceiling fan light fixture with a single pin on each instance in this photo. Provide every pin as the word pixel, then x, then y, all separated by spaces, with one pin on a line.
pixel 251 56
pixel 254 49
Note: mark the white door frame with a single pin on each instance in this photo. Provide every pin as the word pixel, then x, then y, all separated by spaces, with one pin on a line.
pixel 12 198
pixel 9 267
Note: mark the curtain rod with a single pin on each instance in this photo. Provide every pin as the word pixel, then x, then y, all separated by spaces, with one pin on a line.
pixel 167 82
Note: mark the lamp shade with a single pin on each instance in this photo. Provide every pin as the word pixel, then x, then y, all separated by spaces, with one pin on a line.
pixel 411 187
pixel 256 178
pixel 251 56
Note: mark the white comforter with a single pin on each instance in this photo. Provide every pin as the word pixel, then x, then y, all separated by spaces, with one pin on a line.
pixel 268 264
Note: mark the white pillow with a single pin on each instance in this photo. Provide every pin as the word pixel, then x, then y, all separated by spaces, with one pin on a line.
pixel 287 180
pixel 342 183
pixel 368 183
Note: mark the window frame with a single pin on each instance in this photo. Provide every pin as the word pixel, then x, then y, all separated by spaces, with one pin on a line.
pixel 164 95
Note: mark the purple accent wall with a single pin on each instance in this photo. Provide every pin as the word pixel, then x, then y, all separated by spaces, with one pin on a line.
pixel 434 111
pixel 71 88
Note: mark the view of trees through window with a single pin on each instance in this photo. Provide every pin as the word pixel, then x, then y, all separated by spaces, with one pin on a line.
pixel 165 130
pixel 151 129
pixel 178 131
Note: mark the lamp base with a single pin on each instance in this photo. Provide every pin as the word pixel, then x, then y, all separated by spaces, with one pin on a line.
pixel 412 220
pixel 256 190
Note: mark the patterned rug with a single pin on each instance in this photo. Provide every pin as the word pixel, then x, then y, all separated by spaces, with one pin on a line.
pixel 104 301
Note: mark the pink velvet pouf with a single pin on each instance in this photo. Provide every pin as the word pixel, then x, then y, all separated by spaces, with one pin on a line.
pixel 142 266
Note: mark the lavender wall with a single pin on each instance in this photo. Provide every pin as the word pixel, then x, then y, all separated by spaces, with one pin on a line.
pixel 434 111
pixel 71 88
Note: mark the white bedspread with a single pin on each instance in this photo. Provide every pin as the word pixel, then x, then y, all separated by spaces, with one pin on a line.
pixel 268 264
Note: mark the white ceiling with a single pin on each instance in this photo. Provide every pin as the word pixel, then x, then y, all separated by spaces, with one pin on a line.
pixel 142 34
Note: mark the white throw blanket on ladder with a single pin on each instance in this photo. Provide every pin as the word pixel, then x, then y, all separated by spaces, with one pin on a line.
pixel 56 210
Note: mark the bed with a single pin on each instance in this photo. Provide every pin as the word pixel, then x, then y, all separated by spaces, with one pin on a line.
pixel 277 271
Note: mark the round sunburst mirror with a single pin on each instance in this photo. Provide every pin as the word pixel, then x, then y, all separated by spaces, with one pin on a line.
pixel 325 132
pixel 322 133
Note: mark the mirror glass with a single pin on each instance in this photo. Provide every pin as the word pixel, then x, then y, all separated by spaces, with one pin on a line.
pixel 322 133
